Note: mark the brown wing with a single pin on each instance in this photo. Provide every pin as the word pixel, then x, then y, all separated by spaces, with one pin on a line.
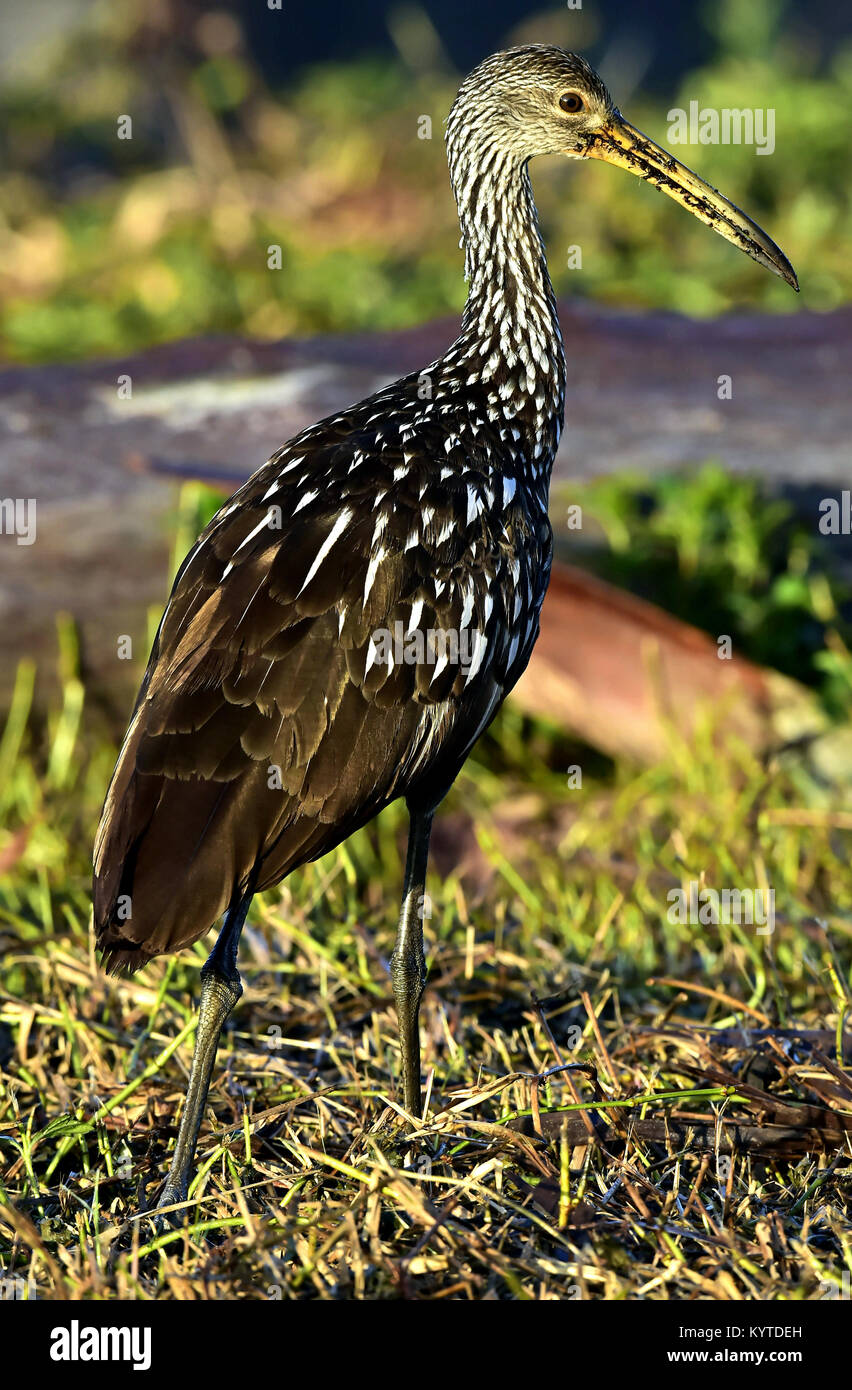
pixel 292 691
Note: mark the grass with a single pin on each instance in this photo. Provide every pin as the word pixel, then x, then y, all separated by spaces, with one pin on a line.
pixel 561 995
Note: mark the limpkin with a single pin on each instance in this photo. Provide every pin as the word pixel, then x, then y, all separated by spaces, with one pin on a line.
pixel 275 717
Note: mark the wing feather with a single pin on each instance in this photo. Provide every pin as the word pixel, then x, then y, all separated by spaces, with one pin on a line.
pixel 292 690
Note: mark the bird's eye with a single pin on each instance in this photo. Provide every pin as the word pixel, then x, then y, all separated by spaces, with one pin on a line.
pixel 572 102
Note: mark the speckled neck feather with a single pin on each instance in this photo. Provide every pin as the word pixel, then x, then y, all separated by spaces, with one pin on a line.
pixel 510 337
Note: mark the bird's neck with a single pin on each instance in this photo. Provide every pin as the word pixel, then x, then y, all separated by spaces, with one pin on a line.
pixel 510 332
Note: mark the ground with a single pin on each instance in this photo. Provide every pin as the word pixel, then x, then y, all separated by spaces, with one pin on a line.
pixel 621 1104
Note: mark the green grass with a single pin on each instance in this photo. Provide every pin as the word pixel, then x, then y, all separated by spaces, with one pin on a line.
pixel 721 552
pixel 549 944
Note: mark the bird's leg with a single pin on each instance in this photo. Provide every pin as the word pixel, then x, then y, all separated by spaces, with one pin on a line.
pixel 220 990
pixel 408 965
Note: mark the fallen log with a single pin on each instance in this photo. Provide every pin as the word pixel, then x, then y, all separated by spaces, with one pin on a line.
pixel 643 396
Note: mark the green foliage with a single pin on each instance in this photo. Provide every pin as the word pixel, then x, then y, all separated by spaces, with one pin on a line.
pixel 716 551
pixel 108 245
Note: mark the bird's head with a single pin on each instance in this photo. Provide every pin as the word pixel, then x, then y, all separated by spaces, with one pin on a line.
pixel 542 100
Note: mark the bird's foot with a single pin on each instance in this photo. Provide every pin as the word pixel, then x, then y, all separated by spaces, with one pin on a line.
pixel 172 1195
pixel 396 1136
pixel 149 1223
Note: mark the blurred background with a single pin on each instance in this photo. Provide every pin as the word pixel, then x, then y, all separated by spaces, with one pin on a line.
pixel 298 126
pixel 632 761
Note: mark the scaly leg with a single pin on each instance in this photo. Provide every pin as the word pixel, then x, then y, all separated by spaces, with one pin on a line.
pixel 220 990
pixel 408 966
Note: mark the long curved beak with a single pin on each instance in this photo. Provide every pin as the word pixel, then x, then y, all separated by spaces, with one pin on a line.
pixel 621 144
